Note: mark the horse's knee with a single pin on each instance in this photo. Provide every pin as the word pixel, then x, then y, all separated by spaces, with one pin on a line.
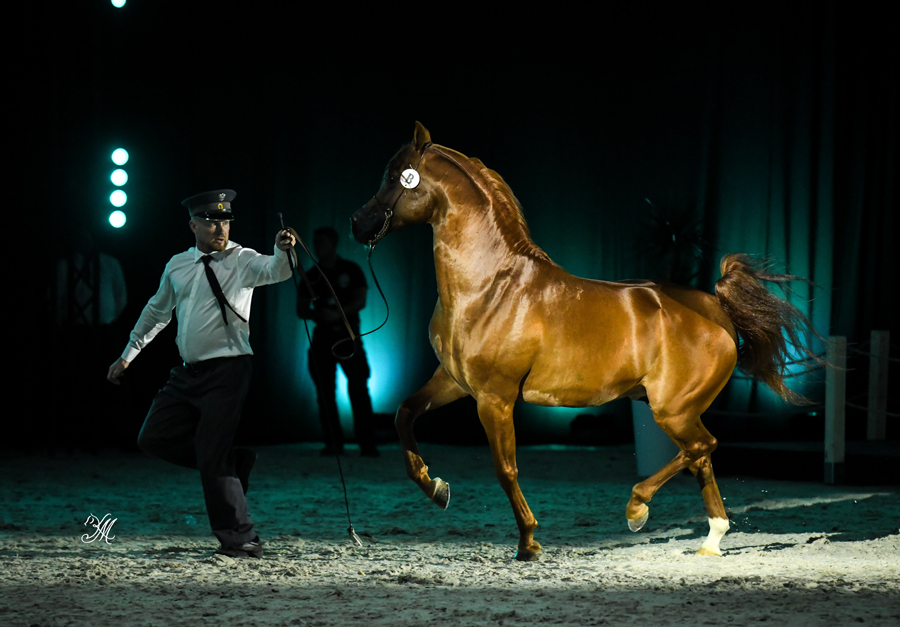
pixel 405 415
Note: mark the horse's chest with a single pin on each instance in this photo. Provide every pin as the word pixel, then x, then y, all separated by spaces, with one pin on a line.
pixel 451 342
pixel 445 341
pixel 476 349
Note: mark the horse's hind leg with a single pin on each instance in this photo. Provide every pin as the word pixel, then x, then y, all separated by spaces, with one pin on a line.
pixel 637 512
pixel 496 418
pixel 439 391
pixel 715 508
pixel 696 444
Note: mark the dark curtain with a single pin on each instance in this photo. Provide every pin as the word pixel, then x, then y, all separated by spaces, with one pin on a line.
pixel 774 125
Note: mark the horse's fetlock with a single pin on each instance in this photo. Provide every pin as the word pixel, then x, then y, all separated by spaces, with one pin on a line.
pixel 415 466
pixel 641 494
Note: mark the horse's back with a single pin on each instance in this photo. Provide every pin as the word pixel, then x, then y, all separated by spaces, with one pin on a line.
pixel 653 295
pixel 601 340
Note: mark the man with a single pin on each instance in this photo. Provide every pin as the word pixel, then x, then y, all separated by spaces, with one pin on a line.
pixel 349 284
pixel 193 419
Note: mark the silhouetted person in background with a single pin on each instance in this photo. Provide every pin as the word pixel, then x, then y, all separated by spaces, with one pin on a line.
pixel 349 284
pixel 89 296
pixel 193 418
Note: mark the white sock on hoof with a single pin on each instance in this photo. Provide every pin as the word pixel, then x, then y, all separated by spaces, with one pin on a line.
pixel 717 528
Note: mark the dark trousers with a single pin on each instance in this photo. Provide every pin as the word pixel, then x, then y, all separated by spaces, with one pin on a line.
pixel 192 423
pixel 323 371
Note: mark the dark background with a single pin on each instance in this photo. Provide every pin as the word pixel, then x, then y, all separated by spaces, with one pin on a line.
pixel 774 125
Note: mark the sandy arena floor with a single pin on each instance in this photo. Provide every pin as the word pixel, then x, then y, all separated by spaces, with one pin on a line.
pixel 797 554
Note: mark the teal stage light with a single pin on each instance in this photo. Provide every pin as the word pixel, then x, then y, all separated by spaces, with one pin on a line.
pixel 120 156
pixel 119 177
pixel 118 198
pixel 117 219
pixel 118 3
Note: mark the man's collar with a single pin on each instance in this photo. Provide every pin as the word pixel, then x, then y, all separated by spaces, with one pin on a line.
pixel 214 254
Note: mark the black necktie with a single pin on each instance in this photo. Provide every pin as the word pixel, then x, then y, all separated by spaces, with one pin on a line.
pixel 217 289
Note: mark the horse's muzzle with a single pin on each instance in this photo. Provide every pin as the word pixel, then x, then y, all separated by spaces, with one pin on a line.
pixel 367 222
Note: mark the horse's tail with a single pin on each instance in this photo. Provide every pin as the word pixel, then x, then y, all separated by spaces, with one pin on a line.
pixel 765 323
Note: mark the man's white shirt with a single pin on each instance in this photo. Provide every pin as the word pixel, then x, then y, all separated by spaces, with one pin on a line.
pixel 184 288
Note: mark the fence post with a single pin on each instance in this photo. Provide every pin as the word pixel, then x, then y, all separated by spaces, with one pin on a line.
pixel 835 399
pixel 876 426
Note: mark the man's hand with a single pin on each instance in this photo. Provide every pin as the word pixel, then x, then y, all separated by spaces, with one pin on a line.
pixel 117 370
pixel 285 240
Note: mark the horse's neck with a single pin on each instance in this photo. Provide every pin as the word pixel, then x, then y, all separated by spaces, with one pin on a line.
pixel 475 239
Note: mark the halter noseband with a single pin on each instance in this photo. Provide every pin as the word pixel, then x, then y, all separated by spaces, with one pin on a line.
pixel 389 211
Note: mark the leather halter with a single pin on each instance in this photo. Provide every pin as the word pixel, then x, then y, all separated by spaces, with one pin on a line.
pixel 389 211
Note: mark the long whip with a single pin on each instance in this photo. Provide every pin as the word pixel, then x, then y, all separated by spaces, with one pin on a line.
pixel 297 267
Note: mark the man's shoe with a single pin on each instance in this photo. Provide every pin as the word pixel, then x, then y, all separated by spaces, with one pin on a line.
pixel 248 549
pixel 244 458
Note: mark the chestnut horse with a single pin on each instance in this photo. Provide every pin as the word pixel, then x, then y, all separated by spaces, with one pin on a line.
pixel 510 324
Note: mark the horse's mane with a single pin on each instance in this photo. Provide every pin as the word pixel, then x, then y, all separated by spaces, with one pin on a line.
pixel 506 206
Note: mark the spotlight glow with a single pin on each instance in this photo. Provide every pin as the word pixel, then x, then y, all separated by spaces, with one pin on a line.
pixel 118 3
pixel 118 198
pixel 117 219
pixel 120 156
pixel 119 177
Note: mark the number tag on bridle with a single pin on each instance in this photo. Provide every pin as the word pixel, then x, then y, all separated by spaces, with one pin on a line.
pixel 409 178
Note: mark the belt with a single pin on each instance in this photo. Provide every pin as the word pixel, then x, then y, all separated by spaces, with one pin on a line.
pixel 201 366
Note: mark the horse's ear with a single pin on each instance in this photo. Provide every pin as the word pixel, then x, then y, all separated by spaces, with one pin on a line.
pixel 421 136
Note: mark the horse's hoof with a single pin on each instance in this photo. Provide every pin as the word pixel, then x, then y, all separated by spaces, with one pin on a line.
pixel 705 551
pixel 441 495
pixel 531 554
pixel 636 524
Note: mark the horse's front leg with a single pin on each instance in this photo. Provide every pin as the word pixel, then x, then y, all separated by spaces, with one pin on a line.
pixel 496 418
pixel 439 391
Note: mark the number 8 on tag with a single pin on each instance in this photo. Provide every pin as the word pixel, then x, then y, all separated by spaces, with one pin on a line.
pixel 409 178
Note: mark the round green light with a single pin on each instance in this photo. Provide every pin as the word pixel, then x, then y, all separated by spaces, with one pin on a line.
pixel 118 198
pixel 117 219
pixel 120 156
pixel 119 177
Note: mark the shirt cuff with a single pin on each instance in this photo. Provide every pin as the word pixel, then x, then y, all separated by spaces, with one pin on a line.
pixel 130 353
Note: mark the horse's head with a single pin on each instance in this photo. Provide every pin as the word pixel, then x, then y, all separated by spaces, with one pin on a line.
pixel 406 195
